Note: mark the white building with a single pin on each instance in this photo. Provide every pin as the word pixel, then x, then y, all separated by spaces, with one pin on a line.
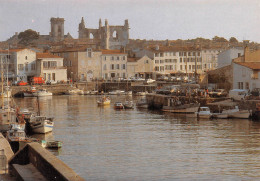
pixel 113 64
pixel 50 67
pixel 246 75
pixel 209 59
pixel 172 60
pixel 225 57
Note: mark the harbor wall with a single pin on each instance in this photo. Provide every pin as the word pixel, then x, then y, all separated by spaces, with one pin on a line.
pixel 45 162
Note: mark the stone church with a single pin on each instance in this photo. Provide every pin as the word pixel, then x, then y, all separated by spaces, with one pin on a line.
pixel 110 37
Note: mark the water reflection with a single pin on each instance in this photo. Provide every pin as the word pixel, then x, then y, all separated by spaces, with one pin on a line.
pixel 100 143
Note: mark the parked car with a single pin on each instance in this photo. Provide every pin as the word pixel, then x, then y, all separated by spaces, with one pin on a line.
pixel 21 83
pixel 218 93
pixel 51 82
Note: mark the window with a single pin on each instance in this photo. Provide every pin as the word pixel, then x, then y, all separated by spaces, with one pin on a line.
pixel 105 67
pixel 156 54
pixel 105 58
pixel 156 68
pixel 20 66
pixel 184 53
pixel 180 60
pixel 180 67
pixel 117 58
pixel 161 68
pixel 156 61
pixel 123 57
pixel 161 61
pixel 112 67
pixel 146 61
pixel 112 58
pixel 189 67
pixel 161 54
pixel 123 75
pixel 194 53
pixel 26 67
pixel 53 76
pixel 117 66
pixel 240 85
pixel 33 67
pixel 25 57
pixel 123 66
pixel 247 85
pixel 198 53
pixel 189 53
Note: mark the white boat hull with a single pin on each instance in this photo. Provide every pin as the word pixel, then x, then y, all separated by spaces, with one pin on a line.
pixel 43 129
pixel 205 116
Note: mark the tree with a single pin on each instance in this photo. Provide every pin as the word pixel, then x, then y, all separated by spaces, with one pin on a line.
pixel 233 40
pixel 219 39
pixel 28 36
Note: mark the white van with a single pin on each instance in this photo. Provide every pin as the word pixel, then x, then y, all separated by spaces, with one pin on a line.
pixel 238 94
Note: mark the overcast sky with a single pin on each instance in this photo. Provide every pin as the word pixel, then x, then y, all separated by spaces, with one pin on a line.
pixel 148 19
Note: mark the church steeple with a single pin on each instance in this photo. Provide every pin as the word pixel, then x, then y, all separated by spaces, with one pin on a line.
pixel 100 23
pixel 82 23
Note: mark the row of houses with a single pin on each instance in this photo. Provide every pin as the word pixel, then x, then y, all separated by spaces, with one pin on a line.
pixel 23 64
pixel 232 68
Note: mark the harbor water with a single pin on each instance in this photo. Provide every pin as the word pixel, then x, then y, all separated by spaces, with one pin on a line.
pixel 100 143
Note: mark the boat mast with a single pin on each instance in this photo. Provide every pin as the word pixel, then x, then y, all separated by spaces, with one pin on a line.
pixel 2 87
pixel 39 113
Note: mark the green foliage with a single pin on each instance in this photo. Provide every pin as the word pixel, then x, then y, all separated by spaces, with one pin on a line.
pixel 28 36
pixel 219 39
pixel 233 40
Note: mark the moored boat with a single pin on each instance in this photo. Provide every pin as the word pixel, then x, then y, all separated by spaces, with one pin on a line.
pixel 118 105
pixel 42 93
pixel 53 144
pixel 128 105
pixel 29 93
pixel 104 100
pixel 204 112
pixel 236 113
pixel 41 124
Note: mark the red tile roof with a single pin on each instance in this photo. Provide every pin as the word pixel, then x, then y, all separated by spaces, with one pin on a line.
pixel 11 50
pixel 46 55
pixel 251 65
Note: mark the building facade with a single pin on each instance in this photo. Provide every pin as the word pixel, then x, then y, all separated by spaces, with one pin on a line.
pixel 140 67
pixel 50 67
pixel 225 57
pixel 114 64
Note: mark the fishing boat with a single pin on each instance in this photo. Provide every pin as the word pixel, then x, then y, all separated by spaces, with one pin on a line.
pixel 29 93
pixel 104 100
pixel 42 93
pixel 41 124
pixel 118 105
pixel 18 139
pixel 128 105
pixel 142 103
pixel 204 112
pixel 236 113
